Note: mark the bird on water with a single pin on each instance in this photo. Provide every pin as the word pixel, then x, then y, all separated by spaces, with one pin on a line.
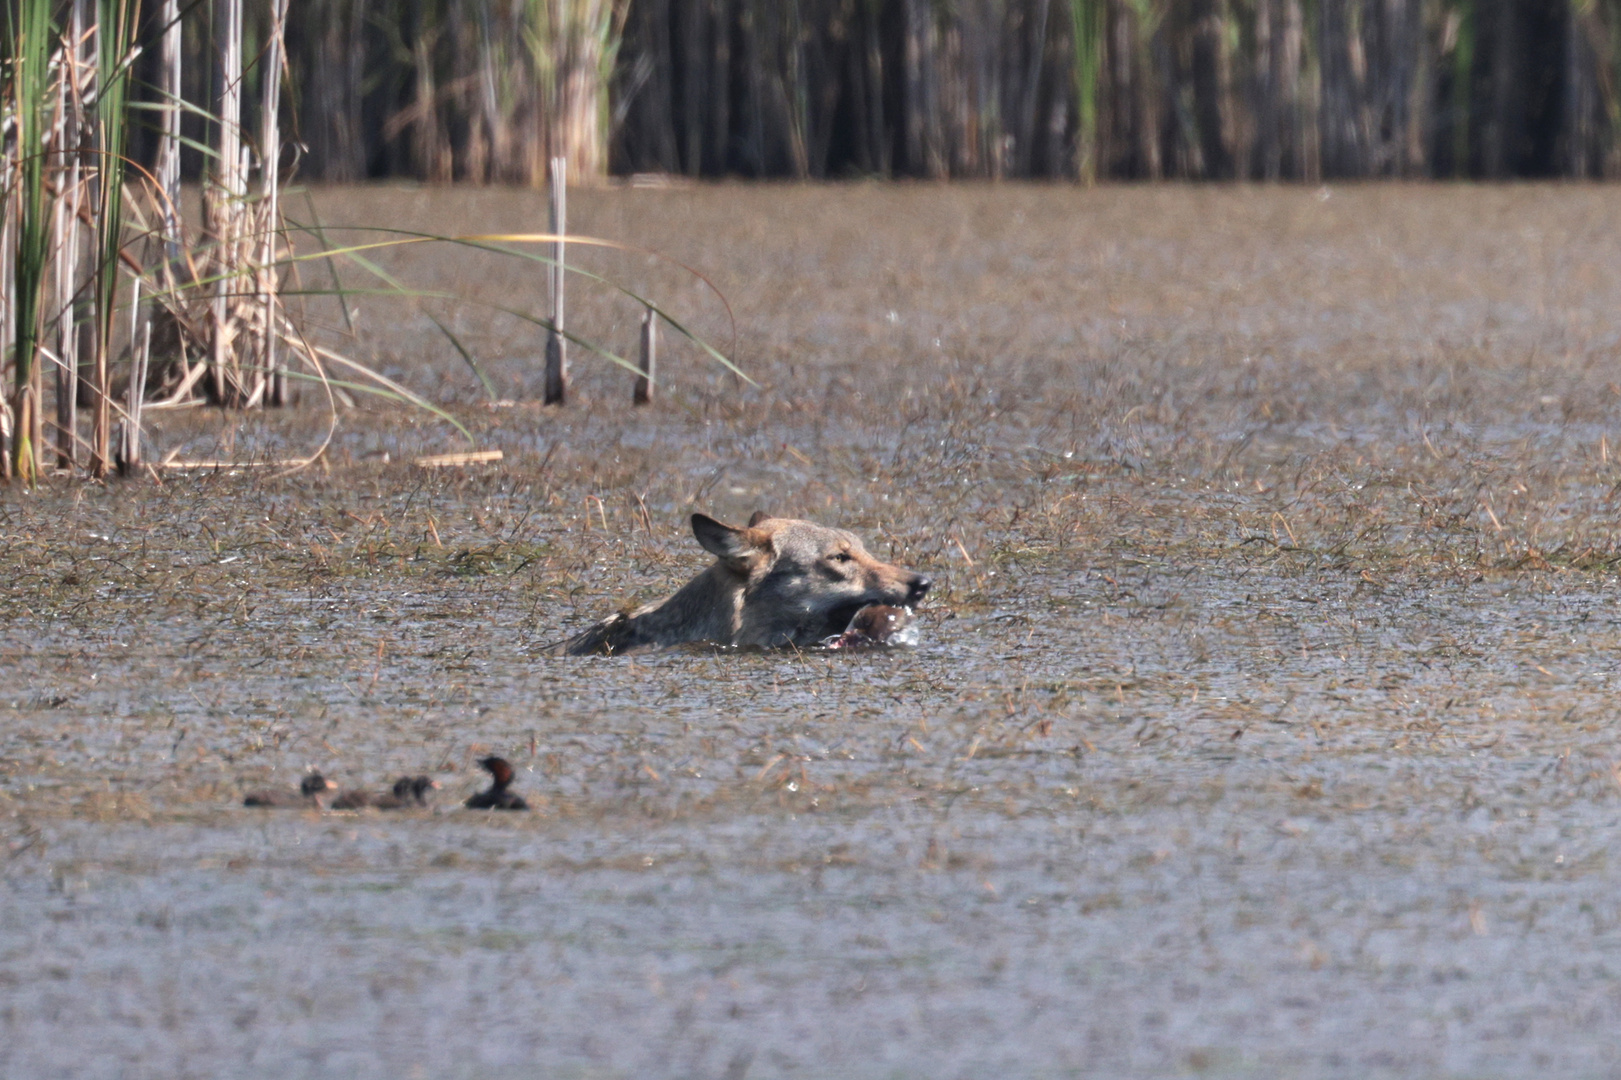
pixel 312 794
pixel 496 796
pixel 408 793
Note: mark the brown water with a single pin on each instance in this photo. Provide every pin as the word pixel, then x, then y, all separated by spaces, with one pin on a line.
pixel 1260 723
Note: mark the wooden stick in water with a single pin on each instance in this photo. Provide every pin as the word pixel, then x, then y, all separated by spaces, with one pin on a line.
pixel 643 394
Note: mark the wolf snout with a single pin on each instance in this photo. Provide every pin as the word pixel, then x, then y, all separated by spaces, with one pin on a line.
pixel 919 587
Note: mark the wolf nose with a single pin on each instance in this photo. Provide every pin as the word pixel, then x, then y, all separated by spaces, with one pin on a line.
pixel 920 586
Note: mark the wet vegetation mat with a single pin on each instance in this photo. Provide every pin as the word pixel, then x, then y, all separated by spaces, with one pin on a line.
pixel 1262 721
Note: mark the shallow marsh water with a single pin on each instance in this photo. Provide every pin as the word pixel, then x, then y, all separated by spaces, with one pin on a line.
pixel 1261 722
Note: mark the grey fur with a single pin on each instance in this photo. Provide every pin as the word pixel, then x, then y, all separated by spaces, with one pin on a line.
pixel 776 582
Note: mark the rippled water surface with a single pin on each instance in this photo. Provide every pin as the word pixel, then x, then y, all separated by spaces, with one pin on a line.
pixel 1261 723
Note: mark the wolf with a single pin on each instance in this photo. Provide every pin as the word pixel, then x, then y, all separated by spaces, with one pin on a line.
pixel 776 582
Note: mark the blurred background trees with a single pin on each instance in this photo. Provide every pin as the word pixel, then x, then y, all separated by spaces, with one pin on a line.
pixel 485 90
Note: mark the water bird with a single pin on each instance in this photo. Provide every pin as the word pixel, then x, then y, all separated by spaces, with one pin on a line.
pixel 877 625
pixel 408 793
pixel 312 794
pixel 496 796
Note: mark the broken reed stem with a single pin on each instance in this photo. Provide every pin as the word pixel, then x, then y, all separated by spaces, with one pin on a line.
pixel 556 347
pixel 643 394
pixel 140 342
pixel 471 457
pixel 140 358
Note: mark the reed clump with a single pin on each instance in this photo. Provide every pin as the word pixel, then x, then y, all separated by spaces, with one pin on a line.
pixel 115 305
pixel 105 289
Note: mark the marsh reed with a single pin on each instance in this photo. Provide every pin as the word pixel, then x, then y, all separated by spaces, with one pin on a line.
pixel 103 284
pixel 107 287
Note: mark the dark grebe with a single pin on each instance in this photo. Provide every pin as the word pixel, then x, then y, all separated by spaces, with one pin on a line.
pixel 496 796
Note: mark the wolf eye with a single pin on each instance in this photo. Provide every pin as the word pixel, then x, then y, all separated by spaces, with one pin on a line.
pixel 841 556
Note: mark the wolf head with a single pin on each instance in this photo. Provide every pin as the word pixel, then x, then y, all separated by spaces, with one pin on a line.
pixel 802 582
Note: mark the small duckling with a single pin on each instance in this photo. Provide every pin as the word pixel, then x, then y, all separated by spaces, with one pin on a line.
pixel 875 625
pixel 312 794
pixel 496 796
pixel 408 793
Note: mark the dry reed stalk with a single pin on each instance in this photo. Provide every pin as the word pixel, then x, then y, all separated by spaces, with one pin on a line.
pixel 91 377
pixel 223 464
pixel 270 185
pixel 74 77
pixel 556 347
pixel 643 392
pixel 226 205
pixel 168 163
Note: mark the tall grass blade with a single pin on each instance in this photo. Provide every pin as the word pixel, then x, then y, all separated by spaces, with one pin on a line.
pixel 484 380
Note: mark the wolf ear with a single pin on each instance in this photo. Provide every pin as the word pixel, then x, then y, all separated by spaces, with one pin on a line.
pixel 723 541
pixel 757 517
